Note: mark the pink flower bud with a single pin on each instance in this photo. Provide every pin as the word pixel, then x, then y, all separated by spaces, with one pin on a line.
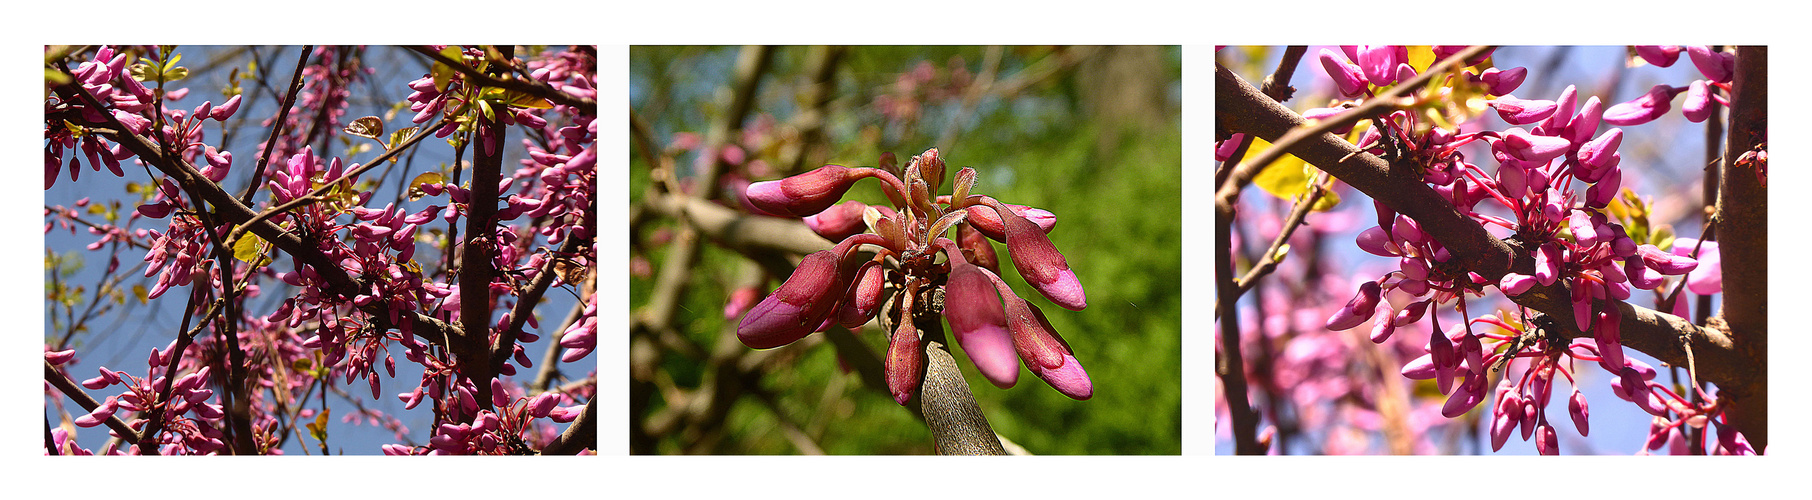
pixel 1576 406
pixel 905 361
pixel 1533 148
pixel 1346 75
pixel 1597 152
pixel 989 223
pixel 1563 116
pixel 1515 284
pixel 1718 66
pixel 1039 262
pixel 839 221
pixel 805 194
pixel 1502 82
pixel 978 322
pixel 1470 393
pixel 1547 264
pixel 1522 111
pixel 1357 310
pixel 225 110
pixel 1665 263
pixel 1698 102
pixel 1377 241
pixel 801 304
pixel 1659 55
pixel 1545 440
pixel 1708 277
pixel 1644 109
pixel 1381 331
pixel 59 357
pixel 1068 379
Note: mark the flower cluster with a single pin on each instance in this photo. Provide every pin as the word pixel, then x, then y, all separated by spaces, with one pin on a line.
pixel 843 286
pixel 1561 183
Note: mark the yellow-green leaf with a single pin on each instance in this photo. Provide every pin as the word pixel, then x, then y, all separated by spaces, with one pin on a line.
pixel 516 98
pixel 1327 201
pixel 442 72
pixel 176 73
pixel 53 77
pixel 1288 178
pixel 143 72
pixel 1663 237
pixel 249 249
pixel 140 292
pixel 415 186
pixel 369 127
pixel 397 137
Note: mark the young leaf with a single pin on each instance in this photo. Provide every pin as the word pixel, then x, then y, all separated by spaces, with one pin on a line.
pixel 415 185
pixel 515 98
pixel 442 72
pixel 250 249
pixel 369 127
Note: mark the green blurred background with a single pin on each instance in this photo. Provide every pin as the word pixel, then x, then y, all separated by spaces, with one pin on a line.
pixel 1089 133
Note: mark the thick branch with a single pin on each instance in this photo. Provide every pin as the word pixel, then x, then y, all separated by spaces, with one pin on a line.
pixel 580 435
pixel 1241 108
pixel 956 421
pixel 737 230
pixel 1743 231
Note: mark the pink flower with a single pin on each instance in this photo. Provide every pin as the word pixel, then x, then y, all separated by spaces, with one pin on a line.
pixel 1644 109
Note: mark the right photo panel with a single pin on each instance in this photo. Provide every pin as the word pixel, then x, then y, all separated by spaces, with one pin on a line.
pixel 1478 250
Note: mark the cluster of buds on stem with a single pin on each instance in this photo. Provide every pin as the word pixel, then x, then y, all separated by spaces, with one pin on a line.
pixel 925 272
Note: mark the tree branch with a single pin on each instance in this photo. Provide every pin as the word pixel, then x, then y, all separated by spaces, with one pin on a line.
pixel 1743 208
pixel 229 210
pixel 530 87
pixel 1241 108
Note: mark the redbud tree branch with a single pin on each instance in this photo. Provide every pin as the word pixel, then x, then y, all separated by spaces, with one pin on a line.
pixel 230 211
pixel 1242 108
pixel 1743 207
pixel 475 268
pixel 69 388
pixel 530 87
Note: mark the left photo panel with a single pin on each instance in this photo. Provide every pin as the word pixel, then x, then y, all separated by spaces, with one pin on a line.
pixel 320 250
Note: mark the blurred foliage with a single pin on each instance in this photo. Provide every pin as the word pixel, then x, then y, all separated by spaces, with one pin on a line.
pixel 1109 169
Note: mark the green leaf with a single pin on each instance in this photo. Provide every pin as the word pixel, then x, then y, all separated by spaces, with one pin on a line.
pixel 1289 177
pixel 142 294
pixel 143 72
pixel 398 137
pixel 1282 251
pixel 1286 178
pixel 443 73
pixel 53 77
pixel 516 98
pixel 176 73
pixel 250 249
